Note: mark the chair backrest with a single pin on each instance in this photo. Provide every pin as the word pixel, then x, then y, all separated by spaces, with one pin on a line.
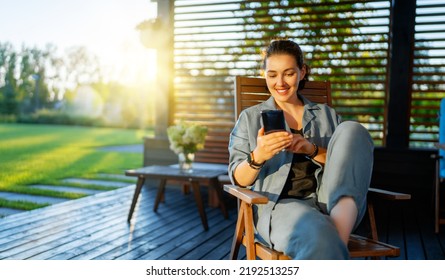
pixel 251 91
pixel 215 148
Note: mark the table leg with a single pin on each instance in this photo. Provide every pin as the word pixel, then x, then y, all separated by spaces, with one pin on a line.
pixel 213 198
pixel 217 187
pixel 160 194
pixel 137 191
pixel 185 188
pixel 199 204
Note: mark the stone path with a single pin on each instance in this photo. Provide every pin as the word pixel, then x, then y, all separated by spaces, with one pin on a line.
pixel 66 189
pixel 138 148
pixel 109 180
pixel 29 197
pixel 9 211
pixel 94 182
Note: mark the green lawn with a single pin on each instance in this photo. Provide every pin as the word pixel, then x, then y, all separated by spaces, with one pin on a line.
pixel 45 154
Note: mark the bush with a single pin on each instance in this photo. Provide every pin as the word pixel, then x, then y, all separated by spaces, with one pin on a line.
pixel 8 118
pixel 46 116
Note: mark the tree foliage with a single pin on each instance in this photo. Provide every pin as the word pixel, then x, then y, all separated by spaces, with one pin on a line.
pixel 39 85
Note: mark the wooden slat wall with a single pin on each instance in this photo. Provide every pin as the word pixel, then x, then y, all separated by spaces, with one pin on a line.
pixel 345 43
pixel 428 83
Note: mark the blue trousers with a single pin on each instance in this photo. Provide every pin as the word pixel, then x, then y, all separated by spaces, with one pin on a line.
pixel 302 228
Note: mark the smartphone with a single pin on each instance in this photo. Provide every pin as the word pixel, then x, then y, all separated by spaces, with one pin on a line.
pixel 273 120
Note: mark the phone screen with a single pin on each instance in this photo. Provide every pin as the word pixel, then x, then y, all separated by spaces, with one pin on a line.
pixel 273 120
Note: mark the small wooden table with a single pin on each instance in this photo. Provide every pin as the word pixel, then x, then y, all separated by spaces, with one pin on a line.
pixel 196 178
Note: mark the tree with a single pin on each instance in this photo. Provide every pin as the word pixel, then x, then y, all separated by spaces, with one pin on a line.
pixel 32 80
pixel 8 85
pixel 338 46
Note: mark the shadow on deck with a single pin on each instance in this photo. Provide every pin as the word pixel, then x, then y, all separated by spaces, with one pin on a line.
pixel 96 227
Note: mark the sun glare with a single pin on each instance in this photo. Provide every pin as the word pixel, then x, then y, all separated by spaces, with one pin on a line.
pixel 106 28
pixel 129 64
pixel 116 42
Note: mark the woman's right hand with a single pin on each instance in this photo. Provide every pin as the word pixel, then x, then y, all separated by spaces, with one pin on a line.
pixel 270 144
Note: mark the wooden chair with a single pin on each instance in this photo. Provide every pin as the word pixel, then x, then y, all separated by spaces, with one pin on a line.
pixel 251 91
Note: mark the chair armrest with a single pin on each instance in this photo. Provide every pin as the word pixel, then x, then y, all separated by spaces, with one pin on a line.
pixel 246 195
pixel 436 156
pixel 252 197
pixel 388 195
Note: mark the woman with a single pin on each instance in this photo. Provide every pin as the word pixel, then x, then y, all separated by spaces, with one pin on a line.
pixel 316 173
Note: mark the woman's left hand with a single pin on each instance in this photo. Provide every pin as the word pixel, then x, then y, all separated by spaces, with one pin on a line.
pixel 300 145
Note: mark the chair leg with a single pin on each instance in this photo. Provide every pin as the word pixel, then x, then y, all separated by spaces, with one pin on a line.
pixel 248 228
pixel 373 225
pixel 238 236
pixel 372 221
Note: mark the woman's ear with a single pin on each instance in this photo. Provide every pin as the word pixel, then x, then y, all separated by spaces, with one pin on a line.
pixel 302 72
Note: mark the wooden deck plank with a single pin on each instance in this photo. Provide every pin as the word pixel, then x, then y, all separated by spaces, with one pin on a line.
pixel 394 228
pixel 204 242
pixel 84 230
pixel 95 227
pixel 210 245
pixel 220 252
pixel 431 242
pixel 188 242
pixel 120 230
pixel 12 225
pixel 65 222
pixel 155 244
pixel 65 247
pixel 151 236
pixel 179 235
pixel 159 219
pixel 415 250
pixel 135 234
pixel 146 241
pixel 35 244
pixel 37 236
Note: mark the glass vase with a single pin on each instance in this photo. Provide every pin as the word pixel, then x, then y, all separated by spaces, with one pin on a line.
pixel 186 162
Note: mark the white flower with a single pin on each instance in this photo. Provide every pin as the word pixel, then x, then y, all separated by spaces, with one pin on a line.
pixel 186 137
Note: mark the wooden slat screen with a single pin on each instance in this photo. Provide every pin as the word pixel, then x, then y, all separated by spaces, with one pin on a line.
pixel 252 91
pixel 345 42
pixel 428 83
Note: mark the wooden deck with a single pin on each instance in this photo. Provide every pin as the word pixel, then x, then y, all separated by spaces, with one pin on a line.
pixel 96 227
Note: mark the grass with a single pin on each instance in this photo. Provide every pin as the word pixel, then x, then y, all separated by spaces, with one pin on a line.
pixel 45 154
pixel 24 205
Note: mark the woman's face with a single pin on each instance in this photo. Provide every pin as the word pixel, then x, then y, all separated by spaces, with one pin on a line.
pixel 283 77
